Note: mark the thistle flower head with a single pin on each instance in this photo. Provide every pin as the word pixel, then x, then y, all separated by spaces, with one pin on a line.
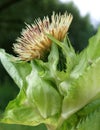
pixel 34 41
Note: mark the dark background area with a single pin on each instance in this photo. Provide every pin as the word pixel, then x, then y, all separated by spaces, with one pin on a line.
pixel 13 16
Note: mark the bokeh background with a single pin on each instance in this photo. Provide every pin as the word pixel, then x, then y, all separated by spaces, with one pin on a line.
pixel 13 16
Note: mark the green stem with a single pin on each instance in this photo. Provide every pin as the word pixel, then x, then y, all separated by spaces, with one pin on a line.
pixel 60 122
pixel 51 127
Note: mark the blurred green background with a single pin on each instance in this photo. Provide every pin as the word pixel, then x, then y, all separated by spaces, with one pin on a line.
pixel 13 16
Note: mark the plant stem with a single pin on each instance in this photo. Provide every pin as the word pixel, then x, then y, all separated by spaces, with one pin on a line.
pixel 58 127
pixel 50 127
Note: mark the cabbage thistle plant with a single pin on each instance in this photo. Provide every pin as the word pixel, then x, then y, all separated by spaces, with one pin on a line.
pixel 58 87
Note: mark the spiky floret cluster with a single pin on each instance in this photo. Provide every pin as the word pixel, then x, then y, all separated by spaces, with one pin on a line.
pixel 34 41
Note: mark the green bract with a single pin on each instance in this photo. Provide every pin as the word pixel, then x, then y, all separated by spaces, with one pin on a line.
pixel 63 92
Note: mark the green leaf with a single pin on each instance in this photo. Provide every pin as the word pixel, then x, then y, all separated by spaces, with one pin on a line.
pixel 38 100
pixel 80 66
pixel 93 49
pixel 82 91
pixel 84 119
pixel 87 56
pixel 91 122
pixel 42 92
pixel 21 127
pixel 67 50
pixel 18 70
pixel 89 108
pixel 21 111
pixel 53 60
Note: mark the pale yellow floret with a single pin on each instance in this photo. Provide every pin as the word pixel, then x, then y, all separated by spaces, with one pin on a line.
pixel 34 42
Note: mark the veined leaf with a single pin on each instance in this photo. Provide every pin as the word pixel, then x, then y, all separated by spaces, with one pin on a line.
pixel 91 122
pixel 87 56
pixel 68 52
pixel 42 93
pixel 38 100
pixel 24 112
pixel 18 70
pixel 21 111
pixel 82 91
pixel 93 49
